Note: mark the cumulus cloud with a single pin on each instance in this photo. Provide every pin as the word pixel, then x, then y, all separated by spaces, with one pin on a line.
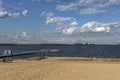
pixel 74 5
pixel 66 25
pixel 91 11
pixel 14 14
pixel 73 23
pixel 57 19
pixel 69 25
pixel 92 27
pixel 3 13
pixel 23 37
pixel 49 14
pixel 95 27
pixel 24 12
pixel 113 2
pixel 88 6
pixel 69 30
pixel 51 18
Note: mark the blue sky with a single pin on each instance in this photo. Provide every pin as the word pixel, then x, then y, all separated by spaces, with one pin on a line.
pixel 60 21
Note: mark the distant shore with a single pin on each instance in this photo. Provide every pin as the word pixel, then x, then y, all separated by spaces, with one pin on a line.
pixel 61 68
pixel 51 44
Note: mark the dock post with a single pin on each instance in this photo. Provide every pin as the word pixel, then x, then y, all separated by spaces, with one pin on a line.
pixel 46 54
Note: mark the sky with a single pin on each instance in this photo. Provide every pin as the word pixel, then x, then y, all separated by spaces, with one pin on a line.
pixel 60 21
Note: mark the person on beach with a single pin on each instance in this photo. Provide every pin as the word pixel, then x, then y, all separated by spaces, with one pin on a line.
pixel 9 58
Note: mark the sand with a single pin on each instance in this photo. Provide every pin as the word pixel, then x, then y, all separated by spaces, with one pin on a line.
pixel 61 68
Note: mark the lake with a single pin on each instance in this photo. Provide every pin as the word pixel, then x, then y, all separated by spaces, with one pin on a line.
pixel 98 51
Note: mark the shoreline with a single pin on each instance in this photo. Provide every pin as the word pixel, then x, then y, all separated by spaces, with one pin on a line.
pixel 87 59
pixel 71 59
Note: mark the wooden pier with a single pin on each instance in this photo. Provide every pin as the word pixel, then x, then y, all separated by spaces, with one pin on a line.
pixel 32 52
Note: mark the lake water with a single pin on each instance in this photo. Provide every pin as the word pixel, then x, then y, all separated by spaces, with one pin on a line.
pixel 69 51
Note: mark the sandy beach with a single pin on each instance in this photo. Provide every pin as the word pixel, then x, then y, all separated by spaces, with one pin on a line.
pixel 61 68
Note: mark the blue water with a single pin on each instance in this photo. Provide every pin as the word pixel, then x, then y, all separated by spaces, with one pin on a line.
pixel 108 51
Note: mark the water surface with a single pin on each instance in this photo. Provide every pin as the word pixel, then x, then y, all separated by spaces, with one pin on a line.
pixel 102 51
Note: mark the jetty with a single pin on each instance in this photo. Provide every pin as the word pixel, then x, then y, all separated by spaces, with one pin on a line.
pixel 30 52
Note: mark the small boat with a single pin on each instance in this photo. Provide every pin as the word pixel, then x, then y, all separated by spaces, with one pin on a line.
pixel 50 50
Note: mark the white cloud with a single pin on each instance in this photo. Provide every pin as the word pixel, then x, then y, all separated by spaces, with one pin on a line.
pixel 88 6
pixel 114 2
pixel 24 12
pixel 14 14
pixel 57 19
pixel 66 7
pixel 3 13
pixel 23 37
pixel 74 5
pixel 73 23
pixel 69 25
pixel 51 18
pixel 93 27
pixel 91 11
pixel 69 30
pixel 24 33
pixel 47 14
pixel 65 25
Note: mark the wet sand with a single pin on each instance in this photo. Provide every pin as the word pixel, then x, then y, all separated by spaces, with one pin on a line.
pixel 61 68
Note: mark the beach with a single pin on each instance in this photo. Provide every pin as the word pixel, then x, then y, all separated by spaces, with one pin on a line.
pixel 61 68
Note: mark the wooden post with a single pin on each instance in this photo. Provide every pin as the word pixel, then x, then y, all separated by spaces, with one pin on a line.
pixel 46 54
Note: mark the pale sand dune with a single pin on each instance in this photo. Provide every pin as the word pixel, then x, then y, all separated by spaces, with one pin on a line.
pixel 61 69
